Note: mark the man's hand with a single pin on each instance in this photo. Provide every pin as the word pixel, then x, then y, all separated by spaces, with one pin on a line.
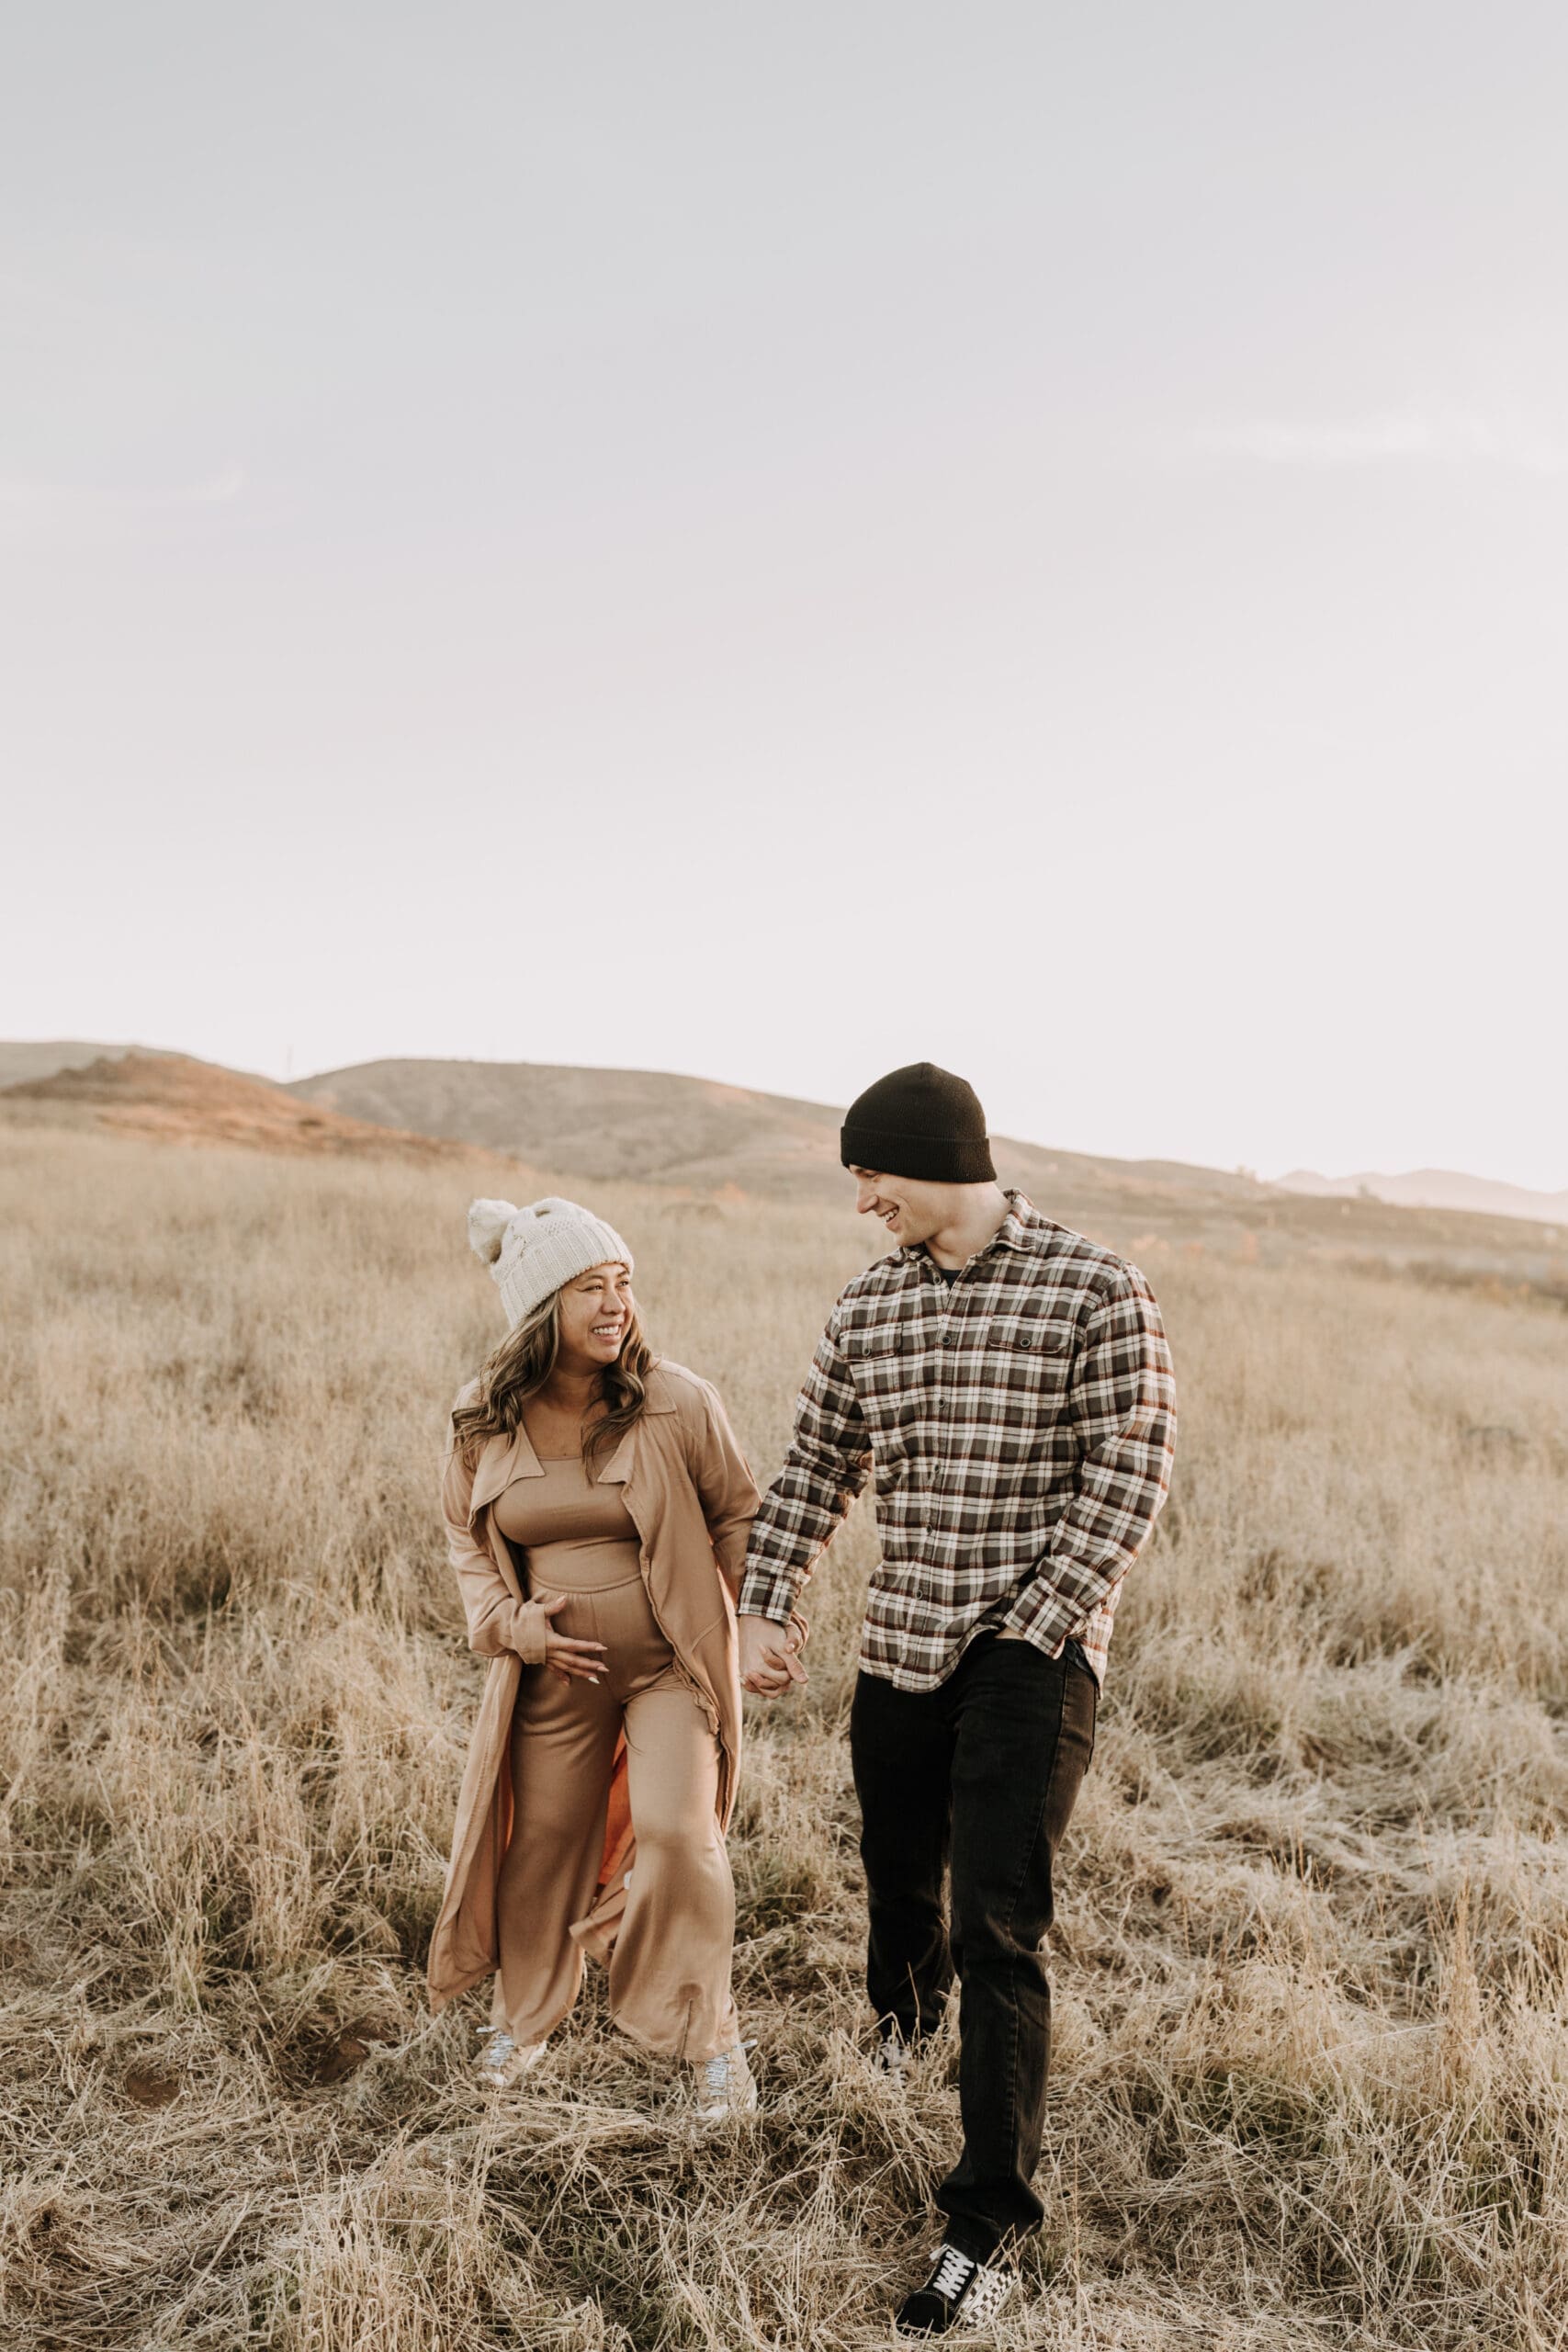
pixel 768 1660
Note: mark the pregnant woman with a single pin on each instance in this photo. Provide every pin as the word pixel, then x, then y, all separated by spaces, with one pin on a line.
pixel 597 1508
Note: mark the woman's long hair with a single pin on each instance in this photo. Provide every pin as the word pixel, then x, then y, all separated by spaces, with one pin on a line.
pixel 519 1368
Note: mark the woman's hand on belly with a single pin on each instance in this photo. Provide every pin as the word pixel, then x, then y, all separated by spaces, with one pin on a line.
pixel 573 1661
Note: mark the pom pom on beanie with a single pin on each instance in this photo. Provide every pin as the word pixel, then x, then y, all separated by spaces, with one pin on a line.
pixel 487 1221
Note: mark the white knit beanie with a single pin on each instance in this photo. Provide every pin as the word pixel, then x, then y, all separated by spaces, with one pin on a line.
pixel 531 1251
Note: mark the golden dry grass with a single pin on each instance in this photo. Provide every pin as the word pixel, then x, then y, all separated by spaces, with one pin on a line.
pixel 1311 2084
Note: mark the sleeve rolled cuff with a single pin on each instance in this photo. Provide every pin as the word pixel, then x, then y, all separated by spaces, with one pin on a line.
pixel 764 1594
pixel 529 1630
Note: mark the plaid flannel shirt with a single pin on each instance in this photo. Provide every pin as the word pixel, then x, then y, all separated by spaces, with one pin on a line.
pixel 1020 1421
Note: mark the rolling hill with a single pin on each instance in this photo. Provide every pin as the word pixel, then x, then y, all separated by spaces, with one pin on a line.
pixel 709 1143
pixel 696 1135
pixel 180 1100
pixel 656 1128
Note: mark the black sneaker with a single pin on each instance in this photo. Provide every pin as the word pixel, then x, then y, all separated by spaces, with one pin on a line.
pixel 960 2294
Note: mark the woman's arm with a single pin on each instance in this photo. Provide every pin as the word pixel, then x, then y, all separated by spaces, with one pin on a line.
pixel 726 1487
pixel 497 1621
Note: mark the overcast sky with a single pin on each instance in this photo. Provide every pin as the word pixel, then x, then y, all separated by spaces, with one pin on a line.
pixel 773 542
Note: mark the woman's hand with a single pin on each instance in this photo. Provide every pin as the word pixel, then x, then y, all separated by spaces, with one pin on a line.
pixel 573 1661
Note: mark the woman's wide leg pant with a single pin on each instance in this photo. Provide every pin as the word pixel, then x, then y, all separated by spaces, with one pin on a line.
pixel 671 1967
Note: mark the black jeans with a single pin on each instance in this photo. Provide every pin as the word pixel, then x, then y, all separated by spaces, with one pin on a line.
pixel 985 1769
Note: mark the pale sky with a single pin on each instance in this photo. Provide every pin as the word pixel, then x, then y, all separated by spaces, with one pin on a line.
pixel 776 542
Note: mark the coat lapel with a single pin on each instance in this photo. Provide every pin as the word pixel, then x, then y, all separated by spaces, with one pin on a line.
pixel 618 1471
pixel 503 1460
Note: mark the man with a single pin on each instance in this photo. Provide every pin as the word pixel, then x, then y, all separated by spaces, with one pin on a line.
pixel 1010 1386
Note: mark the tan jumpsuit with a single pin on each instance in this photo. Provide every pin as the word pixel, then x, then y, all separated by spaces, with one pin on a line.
pixel 670 1970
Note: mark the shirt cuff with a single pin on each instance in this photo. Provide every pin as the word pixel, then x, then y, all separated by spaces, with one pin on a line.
pixel 1043 1618
pixel 765 1593
pixel 530 1628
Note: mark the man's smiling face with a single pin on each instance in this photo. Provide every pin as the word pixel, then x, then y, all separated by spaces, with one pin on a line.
pixel 911 1211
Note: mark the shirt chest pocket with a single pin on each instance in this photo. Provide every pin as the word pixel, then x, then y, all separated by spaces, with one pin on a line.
pixel 1028 1359
pixel 882 1367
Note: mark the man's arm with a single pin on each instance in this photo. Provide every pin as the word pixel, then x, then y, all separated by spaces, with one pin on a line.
pixel 1122 1398
pixel 826 1465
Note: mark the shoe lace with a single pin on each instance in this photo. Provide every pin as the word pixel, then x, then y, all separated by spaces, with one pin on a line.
pixel 953 2273
pixel 726 2070
pixel 721 2072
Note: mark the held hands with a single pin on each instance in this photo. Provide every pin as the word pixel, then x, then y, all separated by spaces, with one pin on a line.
pixel 573 1661
pixel 769 1662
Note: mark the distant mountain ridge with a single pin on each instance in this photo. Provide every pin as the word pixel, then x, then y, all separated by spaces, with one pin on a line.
pixel 700 1137
pixel 1432 1188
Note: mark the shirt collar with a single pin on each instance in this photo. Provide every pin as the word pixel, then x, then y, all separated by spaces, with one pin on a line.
pixel 1020 1230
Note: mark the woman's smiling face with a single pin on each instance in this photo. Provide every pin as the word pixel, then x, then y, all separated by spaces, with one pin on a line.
pixel 595 1315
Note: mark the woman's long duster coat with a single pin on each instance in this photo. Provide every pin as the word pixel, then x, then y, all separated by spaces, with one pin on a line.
pixel 692 1498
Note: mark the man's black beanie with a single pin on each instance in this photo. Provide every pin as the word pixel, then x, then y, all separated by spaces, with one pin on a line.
pixel 919 1122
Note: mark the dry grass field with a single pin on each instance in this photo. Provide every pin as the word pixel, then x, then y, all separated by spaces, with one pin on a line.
pixel 1311 2085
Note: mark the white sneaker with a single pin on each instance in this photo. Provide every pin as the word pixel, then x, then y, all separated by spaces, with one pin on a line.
pixel 501 2059
pixel 724 2085
pixel 893 2060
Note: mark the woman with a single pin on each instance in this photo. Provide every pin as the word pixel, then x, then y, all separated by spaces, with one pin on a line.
pixel 597 1508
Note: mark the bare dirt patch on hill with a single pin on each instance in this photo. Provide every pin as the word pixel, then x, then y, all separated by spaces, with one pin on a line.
pixel 173 1098
pixel 24 1058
